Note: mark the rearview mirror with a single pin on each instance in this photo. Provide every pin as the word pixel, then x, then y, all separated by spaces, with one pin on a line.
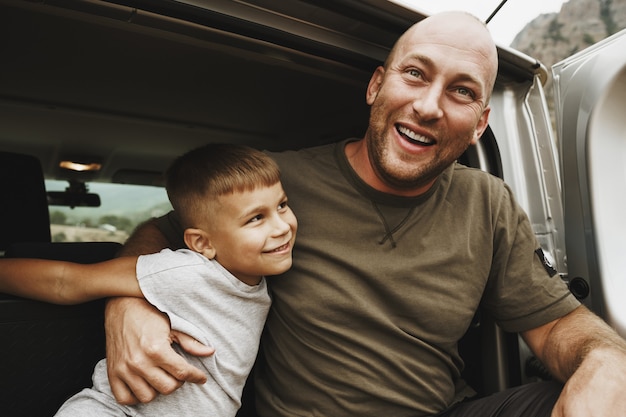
pixel 73 199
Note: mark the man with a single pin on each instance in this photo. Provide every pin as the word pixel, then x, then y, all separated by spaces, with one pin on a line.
pixel 399 246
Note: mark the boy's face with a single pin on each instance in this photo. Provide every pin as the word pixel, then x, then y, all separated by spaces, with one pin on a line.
pixel 253 232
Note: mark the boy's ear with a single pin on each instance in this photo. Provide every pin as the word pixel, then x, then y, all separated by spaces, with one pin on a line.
pixel 199 241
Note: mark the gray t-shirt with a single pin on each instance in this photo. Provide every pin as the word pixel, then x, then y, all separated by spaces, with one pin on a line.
pixel 204 300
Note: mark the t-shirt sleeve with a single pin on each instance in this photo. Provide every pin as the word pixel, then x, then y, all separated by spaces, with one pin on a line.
pixel 168 282
pixel 521 293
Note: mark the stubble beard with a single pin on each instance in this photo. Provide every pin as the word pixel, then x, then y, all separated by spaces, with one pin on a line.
pixel 404 175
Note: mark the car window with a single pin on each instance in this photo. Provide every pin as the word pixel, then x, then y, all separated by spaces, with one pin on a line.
pixel 122 208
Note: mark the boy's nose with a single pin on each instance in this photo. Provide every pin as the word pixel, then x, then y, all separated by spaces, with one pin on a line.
pixel 280 226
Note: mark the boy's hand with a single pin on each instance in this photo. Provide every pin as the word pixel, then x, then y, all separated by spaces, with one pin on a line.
pixel 140 360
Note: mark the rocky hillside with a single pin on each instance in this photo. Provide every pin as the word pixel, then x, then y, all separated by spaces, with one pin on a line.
pixel 580 23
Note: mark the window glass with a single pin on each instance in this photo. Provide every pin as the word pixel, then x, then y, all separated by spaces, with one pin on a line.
pixel 122 208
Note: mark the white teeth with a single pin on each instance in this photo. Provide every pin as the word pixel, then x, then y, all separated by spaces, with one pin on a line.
pixel 414 136
pixel 280 248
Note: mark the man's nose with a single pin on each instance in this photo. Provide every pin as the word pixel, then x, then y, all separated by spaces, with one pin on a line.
pixel 427 104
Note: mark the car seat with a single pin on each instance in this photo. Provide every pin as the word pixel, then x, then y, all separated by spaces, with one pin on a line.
pixel 24 209
pixel 48 351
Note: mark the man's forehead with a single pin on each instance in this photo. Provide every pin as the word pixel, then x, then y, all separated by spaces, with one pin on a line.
pixel 429 51
pixel 444 35
pixel 455 36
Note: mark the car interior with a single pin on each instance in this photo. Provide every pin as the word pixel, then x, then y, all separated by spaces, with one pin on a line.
pixel 128 86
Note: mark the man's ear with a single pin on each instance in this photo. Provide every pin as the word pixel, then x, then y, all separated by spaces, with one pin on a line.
pixel 483 122
pixel 199 241
pixel 374 86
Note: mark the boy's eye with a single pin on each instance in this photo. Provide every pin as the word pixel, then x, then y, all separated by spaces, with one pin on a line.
pixel 256 218
pixel 282 205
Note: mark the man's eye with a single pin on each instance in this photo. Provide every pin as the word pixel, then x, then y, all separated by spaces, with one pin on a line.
pixel 465 92
pixel 415 73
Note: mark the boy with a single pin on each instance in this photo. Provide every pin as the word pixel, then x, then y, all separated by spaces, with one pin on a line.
pixel 238 228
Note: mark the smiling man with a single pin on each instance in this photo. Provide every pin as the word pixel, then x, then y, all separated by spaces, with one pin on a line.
pixel 398 247
pixel 425 110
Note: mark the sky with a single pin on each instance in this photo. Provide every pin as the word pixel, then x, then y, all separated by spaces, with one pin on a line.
pixel 507 23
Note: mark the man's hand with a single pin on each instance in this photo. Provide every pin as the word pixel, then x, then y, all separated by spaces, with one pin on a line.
pixel 140 360
pixel 596 389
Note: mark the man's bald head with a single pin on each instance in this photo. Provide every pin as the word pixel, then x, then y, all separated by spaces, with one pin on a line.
pixel 461 30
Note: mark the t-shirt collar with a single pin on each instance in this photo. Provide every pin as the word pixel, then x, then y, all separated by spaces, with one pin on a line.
pixel 373 194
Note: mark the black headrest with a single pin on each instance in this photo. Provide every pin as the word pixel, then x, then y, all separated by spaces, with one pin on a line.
pixel 24 208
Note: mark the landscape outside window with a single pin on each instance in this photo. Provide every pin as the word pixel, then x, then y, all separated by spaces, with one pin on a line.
pixel 123 207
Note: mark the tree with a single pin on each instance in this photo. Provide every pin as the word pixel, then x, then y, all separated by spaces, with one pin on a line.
pixel 58 217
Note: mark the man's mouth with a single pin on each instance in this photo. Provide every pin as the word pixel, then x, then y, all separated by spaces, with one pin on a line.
pixel 413 137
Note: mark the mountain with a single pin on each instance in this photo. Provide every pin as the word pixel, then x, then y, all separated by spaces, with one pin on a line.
pixel 579 24
pixel 553 37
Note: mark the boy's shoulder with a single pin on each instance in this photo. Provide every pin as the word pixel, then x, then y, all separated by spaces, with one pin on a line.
pixel 169 259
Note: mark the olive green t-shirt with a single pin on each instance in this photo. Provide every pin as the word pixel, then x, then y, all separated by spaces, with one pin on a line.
pixel 366 322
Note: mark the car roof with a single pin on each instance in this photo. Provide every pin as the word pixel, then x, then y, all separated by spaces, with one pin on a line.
pixel 132 84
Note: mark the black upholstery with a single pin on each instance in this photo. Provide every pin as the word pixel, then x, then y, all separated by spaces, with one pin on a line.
pixel 49 351
pixel 24 208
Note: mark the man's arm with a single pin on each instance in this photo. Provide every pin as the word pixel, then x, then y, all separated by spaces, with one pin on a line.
pixel 141 362
pixel 147 238
pixel 581 350
pixel 66 282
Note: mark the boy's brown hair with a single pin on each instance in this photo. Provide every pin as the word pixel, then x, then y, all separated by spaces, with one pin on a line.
pixel 201 175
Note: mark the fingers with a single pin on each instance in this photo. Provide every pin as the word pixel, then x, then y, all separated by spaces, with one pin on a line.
pixel 129 389
pixel 140 360
pixel 178 367
pixel 175 370
pixel 148 373
pixel 191 345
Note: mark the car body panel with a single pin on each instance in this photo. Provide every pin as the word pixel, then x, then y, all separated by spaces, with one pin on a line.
pixel 590 96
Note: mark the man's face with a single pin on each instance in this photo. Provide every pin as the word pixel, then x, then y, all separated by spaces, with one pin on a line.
pixel 253 232
pixel 430 102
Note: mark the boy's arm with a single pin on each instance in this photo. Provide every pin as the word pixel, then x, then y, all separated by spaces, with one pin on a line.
pixel 69 283
pixel 140 360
